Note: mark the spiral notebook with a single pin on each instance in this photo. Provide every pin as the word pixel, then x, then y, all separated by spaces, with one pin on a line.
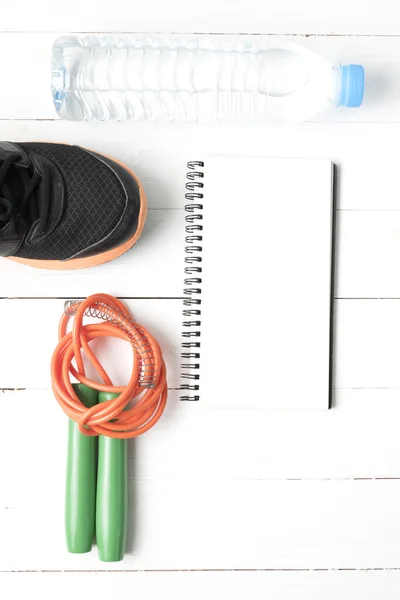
pixel 258 299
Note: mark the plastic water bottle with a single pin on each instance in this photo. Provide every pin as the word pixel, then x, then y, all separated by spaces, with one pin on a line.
pixel 196 79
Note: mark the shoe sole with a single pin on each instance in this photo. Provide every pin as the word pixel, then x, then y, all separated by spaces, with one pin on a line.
pixel 103 257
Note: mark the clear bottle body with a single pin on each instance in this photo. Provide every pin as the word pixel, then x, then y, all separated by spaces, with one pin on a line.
pixel 120 78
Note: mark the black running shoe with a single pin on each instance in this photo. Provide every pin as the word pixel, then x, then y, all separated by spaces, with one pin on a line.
pixel 65 207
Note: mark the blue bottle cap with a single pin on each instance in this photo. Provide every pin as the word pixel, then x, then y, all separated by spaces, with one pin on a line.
pixel 351 86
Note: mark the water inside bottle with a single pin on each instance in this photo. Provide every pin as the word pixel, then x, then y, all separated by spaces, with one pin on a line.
pixel 141 79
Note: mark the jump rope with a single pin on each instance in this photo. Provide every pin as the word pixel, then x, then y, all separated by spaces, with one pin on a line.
pixel 102 418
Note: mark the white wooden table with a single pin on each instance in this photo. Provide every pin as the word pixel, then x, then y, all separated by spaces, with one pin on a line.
pixel 304 505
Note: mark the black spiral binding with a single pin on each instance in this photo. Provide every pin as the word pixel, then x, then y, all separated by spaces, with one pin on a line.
pixel 192 288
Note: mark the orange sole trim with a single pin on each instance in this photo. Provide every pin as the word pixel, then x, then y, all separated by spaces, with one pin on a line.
pixel 97 259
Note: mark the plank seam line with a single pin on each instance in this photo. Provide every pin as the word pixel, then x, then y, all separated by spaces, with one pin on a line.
pixel 81 297
pixel 309 123
pixel 175 298
pixel 237 570
pixel 207 33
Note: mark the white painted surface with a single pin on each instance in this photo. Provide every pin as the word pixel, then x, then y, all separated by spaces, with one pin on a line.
pixel 309 585
pixel 366 332
pixel 214 489
pixel 209 16
pixel 187 516
pixel 39 320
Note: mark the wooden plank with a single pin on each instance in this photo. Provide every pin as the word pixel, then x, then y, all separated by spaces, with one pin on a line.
pixel 367 352
pixel 368 254
pixel 198 524
pixel 368 247
pixel 310 585
pixel 358 438
pixel 31 333
pixel 365 153
pixel 368 242
pixel 29 96
pixel 211 16
pixel 153 268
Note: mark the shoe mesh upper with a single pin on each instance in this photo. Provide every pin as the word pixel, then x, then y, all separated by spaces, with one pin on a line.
pixel 94 202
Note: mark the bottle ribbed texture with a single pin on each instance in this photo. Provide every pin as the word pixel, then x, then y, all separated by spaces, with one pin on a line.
pixel 111 78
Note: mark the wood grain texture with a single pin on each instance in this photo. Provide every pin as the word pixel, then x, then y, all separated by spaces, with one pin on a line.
pixel 368 201
pixel 192 499
pixel 32 336
pixel 276 16
pixel 365 153
pixel 153 268
pixel 212 488
pixel 202 524
pixel 366 350
pixel 368 247
pixel 270 445
pixel 310 585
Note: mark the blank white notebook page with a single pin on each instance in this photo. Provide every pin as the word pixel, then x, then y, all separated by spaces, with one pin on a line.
pixel 266 283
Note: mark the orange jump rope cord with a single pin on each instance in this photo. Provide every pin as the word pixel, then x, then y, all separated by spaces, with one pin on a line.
pixel 109 418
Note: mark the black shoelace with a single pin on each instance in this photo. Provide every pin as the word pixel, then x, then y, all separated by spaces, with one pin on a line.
pixel 30 206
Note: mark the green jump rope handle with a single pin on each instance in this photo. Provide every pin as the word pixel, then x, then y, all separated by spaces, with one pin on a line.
pixel 80 497
pixel 112 495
